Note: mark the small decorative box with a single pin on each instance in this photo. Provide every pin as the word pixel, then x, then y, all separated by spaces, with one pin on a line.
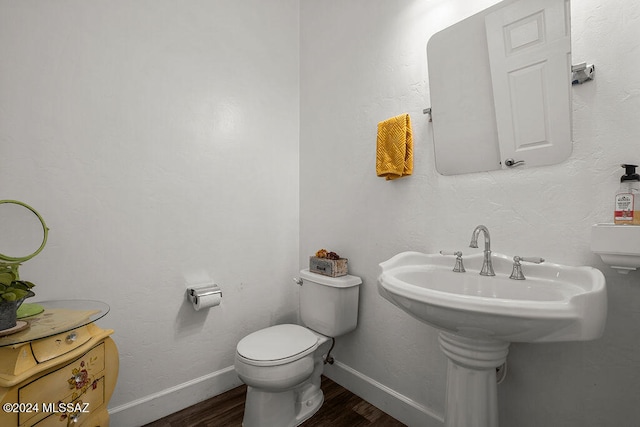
pixel 329 267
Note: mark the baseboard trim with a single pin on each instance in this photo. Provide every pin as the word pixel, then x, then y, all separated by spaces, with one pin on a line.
pixel 390 401
pixel 173 399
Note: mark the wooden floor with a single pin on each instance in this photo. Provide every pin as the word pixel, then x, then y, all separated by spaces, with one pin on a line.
pixel 341 408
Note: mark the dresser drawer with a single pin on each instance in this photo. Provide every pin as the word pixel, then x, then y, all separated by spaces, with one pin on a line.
pixel 48 348
pixel 65 384
pixel 87 404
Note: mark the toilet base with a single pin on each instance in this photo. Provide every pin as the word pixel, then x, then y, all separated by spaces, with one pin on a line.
pixel 287 409
pixel 309 401
pixel 267 408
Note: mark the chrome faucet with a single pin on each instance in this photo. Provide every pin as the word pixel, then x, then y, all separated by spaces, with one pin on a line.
pixel 459 267
pixel 516 273
pixel 487 267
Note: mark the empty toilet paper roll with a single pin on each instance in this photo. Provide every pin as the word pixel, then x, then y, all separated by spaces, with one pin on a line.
pixel 205 297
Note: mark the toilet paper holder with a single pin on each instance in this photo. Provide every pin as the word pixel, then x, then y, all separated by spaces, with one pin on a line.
pixel 193 293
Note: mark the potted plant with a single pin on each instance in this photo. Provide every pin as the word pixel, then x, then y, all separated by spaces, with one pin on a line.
pixel 13 292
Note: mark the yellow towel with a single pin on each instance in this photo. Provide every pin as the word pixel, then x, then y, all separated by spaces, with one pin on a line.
pixel 394 150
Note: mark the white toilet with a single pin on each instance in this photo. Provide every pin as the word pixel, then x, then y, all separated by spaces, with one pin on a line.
pixel 281 365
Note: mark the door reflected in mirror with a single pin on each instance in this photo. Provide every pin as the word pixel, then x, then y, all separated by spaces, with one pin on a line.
pixel 500 88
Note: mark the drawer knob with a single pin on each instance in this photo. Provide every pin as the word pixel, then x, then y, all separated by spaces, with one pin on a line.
pixel 72 337
pixel 74 418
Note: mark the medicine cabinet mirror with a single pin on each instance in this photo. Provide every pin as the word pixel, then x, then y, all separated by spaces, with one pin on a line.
pixel 500 88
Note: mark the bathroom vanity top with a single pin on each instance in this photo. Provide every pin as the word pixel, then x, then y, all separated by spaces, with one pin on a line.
pixel 58 317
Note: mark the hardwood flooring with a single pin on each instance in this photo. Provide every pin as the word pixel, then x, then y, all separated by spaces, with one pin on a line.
pixel 341 408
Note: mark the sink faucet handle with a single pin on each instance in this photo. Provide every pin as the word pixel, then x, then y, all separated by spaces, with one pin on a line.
pixel 454 253
pixel 535 260
pixel 459 267
pixel 516 273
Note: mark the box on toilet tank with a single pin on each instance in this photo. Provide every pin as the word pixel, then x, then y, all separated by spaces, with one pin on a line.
pixel 329 267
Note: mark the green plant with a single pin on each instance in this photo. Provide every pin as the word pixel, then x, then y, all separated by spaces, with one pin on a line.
pixel 11 287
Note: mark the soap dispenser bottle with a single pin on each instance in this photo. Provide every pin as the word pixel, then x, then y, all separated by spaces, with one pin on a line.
pixel 627 207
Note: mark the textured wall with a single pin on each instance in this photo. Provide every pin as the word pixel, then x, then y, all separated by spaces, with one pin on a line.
pixel 159 140
pixel 363 61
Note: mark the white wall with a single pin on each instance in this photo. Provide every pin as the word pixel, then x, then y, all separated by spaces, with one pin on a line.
pixel 363 61
pixel 159 140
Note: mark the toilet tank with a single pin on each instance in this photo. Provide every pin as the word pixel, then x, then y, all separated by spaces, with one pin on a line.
pixel 329 305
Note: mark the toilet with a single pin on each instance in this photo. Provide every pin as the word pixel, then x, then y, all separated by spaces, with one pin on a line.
pixel 281 365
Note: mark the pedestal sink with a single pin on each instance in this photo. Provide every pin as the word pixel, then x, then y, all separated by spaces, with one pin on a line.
pixel 479 316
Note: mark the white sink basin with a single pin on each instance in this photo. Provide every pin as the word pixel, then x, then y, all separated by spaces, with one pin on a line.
pixel 554 303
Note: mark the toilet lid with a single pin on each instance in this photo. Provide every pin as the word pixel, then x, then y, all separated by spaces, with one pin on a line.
pixel 277 343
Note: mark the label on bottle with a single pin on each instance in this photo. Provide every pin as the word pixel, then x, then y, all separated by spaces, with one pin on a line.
pixel 624 207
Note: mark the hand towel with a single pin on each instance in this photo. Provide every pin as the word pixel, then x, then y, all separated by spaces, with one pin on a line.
pixel 394 147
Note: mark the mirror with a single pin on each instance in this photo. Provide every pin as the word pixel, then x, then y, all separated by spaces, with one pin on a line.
pixel 23 232
pixel 500 87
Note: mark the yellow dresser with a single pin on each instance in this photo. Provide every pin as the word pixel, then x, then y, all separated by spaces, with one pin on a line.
pixel 59 371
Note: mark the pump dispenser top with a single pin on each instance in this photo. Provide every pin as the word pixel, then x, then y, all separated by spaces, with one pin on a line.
pixel 630 174
pixel 627 201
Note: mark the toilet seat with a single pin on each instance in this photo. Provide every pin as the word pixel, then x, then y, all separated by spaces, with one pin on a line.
pixel 277 345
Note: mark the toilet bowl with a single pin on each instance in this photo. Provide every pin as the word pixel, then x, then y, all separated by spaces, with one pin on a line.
pixel 281 366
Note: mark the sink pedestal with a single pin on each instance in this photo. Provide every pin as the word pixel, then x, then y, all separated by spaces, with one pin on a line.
pixel 472 391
